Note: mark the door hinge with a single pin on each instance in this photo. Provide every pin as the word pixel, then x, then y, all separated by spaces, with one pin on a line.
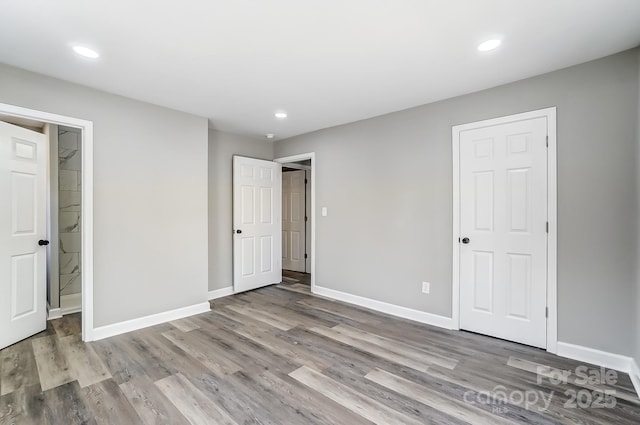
pixel 547 140
pixel 306 218
pixel 305 256
pixel 306 181
pixel 546 312
pixel 547 227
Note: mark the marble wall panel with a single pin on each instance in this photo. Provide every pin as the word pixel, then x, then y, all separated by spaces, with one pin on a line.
pixel 69 200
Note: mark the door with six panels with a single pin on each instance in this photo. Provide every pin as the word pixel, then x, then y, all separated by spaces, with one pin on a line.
pixel 503 230
pixel 257 223
pixel 23 167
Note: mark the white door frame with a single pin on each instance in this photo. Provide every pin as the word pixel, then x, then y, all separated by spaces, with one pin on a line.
pixel 298 166
pixel 87 200
pixel 312 157
pixel 552 239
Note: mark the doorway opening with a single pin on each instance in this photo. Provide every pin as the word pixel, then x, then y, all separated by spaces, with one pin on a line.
pixel 295 220
pixel 298 221
pixel 63 242
pixel 69 214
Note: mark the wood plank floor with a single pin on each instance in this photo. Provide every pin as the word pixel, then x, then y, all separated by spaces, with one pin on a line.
pixel 278 355
pixel 289 276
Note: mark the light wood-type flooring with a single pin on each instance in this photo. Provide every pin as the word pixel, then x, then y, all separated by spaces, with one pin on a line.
pixel 289 276
pixel 278 355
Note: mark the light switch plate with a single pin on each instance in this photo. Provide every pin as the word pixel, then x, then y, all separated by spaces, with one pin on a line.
pixel 324 211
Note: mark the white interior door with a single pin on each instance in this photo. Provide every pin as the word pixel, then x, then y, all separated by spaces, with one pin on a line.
pixel 503 230
pixel 257 223
pixel 307 190
pixel 293 222
pixel 23 222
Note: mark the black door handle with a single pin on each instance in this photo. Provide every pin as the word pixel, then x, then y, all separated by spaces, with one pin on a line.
pixel 465 240
pixel 43 242
pixel 238 231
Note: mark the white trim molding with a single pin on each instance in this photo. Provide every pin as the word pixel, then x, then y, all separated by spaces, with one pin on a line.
pixel 222 292
pixel 53 313
pixel 86 128
pixel 552 240
pixel 151 320
pixel 301 157
pixel 71 303
pixel 394 310
pixel 634 374
pixel 596 357
pixel 298 166
pixel 602 358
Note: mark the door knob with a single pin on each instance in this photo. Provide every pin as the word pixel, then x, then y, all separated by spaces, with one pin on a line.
pixel 42 242
pixel 238 231
pixel 465 240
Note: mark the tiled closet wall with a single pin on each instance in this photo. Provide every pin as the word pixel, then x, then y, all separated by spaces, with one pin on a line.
pixel 69 179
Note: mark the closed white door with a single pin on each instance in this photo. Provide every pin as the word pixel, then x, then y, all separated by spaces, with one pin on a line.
pixel 23 224
pixel 293 220
pixel 503 231
pixel 257 223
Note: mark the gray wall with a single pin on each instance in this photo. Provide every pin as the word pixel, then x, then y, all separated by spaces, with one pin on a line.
pixel 387 183
pixel 150 195
pixel 222 147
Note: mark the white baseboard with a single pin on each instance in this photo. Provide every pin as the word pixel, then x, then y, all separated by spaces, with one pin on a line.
pixel 71 303
pixel 219 293
pixel 394 310
pixel 634 374
pixel 146 321
pixel 596 357
pixel 53 313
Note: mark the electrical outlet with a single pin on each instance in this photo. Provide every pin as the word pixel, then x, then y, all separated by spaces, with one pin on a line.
pixel 426 287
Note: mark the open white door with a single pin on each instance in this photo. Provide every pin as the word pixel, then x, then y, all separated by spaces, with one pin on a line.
pixel 257 223
pixel 23 230
pixel 293 221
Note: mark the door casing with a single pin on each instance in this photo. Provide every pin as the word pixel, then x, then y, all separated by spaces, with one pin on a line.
pixel 552 240
pixel 86 128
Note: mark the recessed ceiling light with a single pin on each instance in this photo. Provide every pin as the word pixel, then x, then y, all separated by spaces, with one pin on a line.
pixel 485 46
pixel 86 52
pixel 269 135
pixel 281 115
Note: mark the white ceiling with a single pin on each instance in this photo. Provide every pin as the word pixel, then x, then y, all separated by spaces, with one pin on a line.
pixel 325 62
